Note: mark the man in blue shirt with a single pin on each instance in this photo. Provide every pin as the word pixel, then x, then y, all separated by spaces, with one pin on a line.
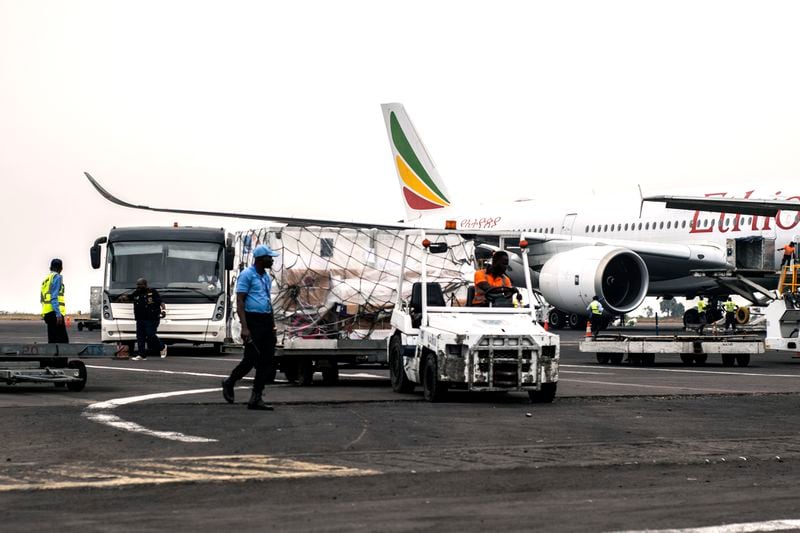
pixel 254 307
pixel 53 307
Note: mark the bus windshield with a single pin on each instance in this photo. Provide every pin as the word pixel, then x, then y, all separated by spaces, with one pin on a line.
pixel 172 267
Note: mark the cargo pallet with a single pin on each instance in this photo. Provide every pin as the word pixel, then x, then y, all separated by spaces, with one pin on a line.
pixel 58 364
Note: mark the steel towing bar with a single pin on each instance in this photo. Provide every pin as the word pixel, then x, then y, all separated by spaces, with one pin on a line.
pixel 49 363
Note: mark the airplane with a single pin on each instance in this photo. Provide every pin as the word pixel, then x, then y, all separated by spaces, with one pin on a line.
pixel 620 252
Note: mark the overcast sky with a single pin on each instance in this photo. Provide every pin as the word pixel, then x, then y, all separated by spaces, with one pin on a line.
pixel 274 107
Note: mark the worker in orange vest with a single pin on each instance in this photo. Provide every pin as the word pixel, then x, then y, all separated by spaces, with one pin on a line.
pixel 788 254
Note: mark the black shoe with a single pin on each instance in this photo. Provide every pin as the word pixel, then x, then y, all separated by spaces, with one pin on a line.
pixel 227 391
pixel 260 406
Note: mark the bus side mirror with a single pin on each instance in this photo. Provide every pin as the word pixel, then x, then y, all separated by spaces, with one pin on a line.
pixel 230 252
pixel 94 252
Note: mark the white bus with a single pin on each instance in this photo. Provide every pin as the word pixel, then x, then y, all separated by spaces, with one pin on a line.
pixel 189 266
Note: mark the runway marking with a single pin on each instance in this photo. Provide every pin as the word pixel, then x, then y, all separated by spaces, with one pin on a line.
pixel 770 525
pixel 690 371
pixel 96 413
pixel 673 387
pixel 173 470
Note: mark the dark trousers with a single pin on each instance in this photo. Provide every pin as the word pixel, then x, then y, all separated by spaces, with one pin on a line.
pixel 259 352
pixel 730 319
pixel 146 336
pixel 597 323
pixel 787 260
pixel 55 332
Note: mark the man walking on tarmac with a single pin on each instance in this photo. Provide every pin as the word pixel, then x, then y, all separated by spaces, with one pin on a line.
pixel 53 307
pixel 148 310
pixel 730 313
pixel 254 307
pixel 595 310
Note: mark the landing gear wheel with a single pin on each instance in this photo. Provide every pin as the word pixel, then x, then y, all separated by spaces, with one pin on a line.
pixel 546 395
pixel 305 372
pixel 616 358
pixel 556 319
pixel 728 359
pixel 687 358
pixel 691 318
pixel 603 358
pixel 700 359
pixel 743 359
pixel 574 321
pixel 397 374
pixel 330 373
pixel 432 388
pixel 80 368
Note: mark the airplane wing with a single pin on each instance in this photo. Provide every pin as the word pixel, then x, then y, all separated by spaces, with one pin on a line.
pixel 744 206
pixel 274 218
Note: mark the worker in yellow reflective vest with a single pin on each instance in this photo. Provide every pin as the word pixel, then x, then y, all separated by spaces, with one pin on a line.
pixel 595 311
pixel 730 313
pixel 702 305
pixel 53 307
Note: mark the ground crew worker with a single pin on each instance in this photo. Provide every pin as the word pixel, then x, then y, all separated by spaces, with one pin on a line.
pixel 254 307
pixel 702 318
pixel 53 307
pixel 148 310
pixel 788 254
pixel 493 276
pixel 730 313
pixel 595 310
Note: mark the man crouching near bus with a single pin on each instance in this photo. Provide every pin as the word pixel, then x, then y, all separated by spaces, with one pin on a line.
pixel 254 307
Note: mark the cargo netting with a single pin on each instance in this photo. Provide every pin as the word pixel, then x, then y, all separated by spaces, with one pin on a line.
pixel 342 283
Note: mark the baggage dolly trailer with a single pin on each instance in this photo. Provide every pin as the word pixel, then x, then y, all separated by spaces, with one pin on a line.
pixel 642 350
pixel 59 364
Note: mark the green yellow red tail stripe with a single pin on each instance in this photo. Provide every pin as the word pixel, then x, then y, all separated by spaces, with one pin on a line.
pixel 419 190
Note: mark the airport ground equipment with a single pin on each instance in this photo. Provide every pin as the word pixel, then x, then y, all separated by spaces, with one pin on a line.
pixel 333 292
pixel 59 364
pixel 189 266
pixel 692 349
pixel 95 310
pixel 441 347
pixel 783 314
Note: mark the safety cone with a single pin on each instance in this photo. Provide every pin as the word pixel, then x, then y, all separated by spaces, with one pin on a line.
pixel 68 321
pixel 546 325
pixel 589 330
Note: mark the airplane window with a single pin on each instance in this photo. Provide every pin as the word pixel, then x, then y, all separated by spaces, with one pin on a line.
pixel 586 230
pixel 640 226
pixel 626 226
pixel 592 228
pixel 605 228
pixel 683 224
pixel 647 225
pixel 668 224
pixel 661 225
pixel 619 227
pixel 551 230
pixel 612 227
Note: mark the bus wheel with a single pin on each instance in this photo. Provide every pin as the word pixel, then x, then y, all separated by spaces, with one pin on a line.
pixel 743 359
pixel 602 358
pixel 305 372
pixel 432 388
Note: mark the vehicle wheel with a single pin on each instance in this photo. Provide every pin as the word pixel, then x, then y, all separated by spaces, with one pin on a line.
pixel 77 386
pixel 80 326
pixel 691 318
pixel 743 359
pixel 305 372
pixel 635 359
pixel 546 395
pixel 330 374
pixel 616 358
pixel 432 388
pixel 700 359
pixel 648 359
pixel 574 321
pixel 397 373
pixel 290 371
pixel 728 359
pixel 216 348
pixel 687 358
pixel 602 358
pixel 556 319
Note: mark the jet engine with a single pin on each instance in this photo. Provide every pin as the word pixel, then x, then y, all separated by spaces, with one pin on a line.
pixel 618 276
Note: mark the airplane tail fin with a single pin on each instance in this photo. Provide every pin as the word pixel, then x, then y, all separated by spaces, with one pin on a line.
pixel 422 187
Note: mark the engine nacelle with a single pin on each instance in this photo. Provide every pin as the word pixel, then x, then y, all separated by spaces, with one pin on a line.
pixel 616 275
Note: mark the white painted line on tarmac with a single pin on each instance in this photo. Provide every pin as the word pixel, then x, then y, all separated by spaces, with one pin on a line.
pixel 670 387
pixel 96 412
pixel 363 375
pixel 579 372
pixel 688 371
pixel 747 527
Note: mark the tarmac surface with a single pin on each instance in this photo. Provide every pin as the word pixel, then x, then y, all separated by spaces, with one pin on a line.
pixel 151 445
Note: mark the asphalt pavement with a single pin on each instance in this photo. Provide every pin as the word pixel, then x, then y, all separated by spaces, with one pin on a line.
pixel 151 445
